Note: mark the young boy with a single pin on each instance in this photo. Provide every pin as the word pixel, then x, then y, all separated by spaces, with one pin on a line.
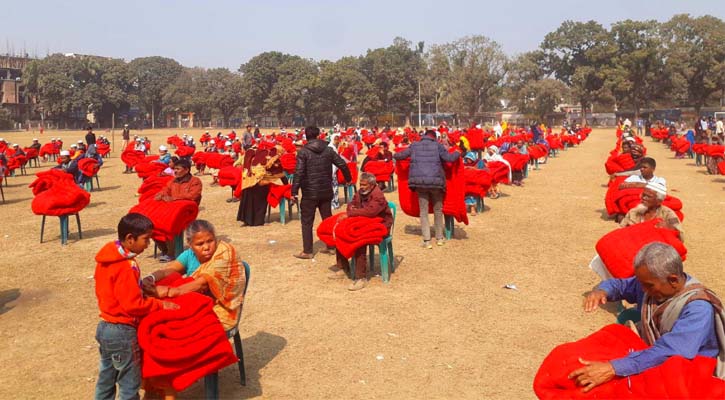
pixel 122 304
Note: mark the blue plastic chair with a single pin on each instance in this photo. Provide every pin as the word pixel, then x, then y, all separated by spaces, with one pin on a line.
pixel 385 247
pixel 211 381
pixel 450 225
pixel 64 227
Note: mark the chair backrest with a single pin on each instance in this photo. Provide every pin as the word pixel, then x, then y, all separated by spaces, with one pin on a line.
pixel 247 275
pixel 394 209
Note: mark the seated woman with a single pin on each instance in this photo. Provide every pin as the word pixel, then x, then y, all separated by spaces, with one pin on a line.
pixel 261 166
pixel 651 207
pixel 215 267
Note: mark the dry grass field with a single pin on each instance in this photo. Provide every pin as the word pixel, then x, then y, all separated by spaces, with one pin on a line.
pixel 443 328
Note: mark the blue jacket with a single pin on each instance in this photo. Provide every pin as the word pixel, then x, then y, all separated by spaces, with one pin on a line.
pixel 426 163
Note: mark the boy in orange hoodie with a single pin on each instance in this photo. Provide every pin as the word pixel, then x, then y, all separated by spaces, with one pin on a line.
pixel 122 305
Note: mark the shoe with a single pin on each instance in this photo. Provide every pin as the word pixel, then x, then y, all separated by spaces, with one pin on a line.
pixel 440 242
pixel 328 250
pixel 164 258
pixel 358 284
pixel 337 274
pixel 426 244
pixel 304 256
pixel 232 200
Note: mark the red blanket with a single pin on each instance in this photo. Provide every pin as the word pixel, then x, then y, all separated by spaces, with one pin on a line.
pixel 518 161
pixel 620 201
pixel 677 378
pixel 715 150
pixel 277 193
pixel 88 166
pixel 499 171
pixel 48 149
pixel 381 170
pixel 618 248
pixel 169 218
pixel 132 157
pixel 218 160
pixel 184 151
pixel 721 167
pixel 30 153
pixel 103 149
pixel 151 186
pixel 230 176
pixel 353 172
pixel 288 161
pixel 619 163
pixel 184 345
pixel 477 181
pixel 148 169
pixel 537 151
pixel 351 233
pixel 56 194
pixel 475 138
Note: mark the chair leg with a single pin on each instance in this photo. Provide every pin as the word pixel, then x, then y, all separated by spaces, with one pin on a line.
pixel 78 223
pixel 391 257
pixel 282 215
pixel 63 229
pixel 178 244
pixel 240 354
pixel 1 192
pixel 384 271
pixel 352 268
pixel 371 259
pixel 42 228
pixel 449 227
pixel 211 386
pixel 269 213
pixel 98 183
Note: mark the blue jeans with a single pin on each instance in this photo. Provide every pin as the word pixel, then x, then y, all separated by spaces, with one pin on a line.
pixel 120 362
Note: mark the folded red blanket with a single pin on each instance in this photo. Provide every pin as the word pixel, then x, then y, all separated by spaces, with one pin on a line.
pixel 288 161
pixel 477 181
pixel 199 158
pixel 152 185
pixel 475 138
pixel 721 167
pixel 620 201
pixel 351 233
pixel 169 218
pixel 230 176
pixel 277 193
pixel 381 169
pixel 175 140
pixel 699 148
pixel 56 194
pixel 88 166
pixel 715 150
pixel 499 171
pixel 326 230
pixel 184 151
pixel 618 248
pixel 132 157
pixel 353 172
pixel 103 149
pixel 676 378
pixel 184 345
pixel 48 149
pixel 518 161
pixel 30 153
pixel 148 169
pixel 619 163
pixel 537 151
pixel 218 160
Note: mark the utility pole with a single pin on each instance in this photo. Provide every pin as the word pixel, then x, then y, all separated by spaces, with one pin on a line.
pixel 420 117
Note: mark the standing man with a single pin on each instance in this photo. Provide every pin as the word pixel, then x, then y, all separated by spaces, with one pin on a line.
pixel 314 176
pixel 719 129
pixel 90 138
pixel 126 134
pixel 428 179
pixel 248 138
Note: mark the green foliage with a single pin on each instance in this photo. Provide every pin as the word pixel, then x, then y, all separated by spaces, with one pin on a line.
pixel 151 77
pixel 6 119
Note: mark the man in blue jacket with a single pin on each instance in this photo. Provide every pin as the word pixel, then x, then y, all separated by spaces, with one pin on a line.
pixel 428 179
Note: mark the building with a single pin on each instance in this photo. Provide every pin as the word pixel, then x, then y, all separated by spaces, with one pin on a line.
pixel 13 96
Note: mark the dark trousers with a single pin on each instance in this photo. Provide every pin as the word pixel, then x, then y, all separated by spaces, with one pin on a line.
pixel 253 206
pixel 361 263
pixel 307 209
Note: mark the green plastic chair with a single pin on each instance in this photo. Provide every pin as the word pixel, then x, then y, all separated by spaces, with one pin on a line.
pixel 385 247
pixel 629 314
pixel 450 225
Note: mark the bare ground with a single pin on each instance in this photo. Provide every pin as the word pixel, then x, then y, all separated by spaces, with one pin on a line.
pixel 443 328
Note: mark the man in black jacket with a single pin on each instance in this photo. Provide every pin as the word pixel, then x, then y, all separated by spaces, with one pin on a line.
pixel 313 175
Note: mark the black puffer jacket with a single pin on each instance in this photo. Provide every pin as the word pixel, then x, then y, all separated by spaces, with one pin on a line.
pixel 314 170
pixel 426 163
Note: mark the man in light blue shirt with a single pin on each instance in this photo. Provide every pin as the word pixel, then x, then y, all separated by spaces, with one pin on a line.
pixel 678 316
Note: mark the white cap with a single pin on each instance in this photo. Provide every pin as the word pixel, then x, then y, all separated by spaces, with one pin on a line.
pixel 15 145
pixel 212 141
pixel 80 141
pixel 206 132
pixel 630 139
pixel 35 139
pixel 657 187
pixel 2 140
pixel 162 148
pixel 138 139
pixel 74 146
pixel 228 143
pixel 126 125
pixel 64 153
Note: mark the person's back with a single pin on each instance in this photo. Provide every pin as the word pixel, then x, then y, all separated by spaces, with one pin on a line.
pixel 314 168
pixel 90 138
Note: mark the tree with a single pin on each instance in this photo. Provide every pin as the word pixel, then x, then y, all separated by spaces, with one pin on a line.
pixel 578 53
pixel 190 92
pixel 540 97
pixel 6 119
pixel 259 75
pixel 476 66
pixel 637 73
pixel 345 92
pixel 226 92
pixel 294 91
pixel 152 75
pixel 395 72
pixel 696 55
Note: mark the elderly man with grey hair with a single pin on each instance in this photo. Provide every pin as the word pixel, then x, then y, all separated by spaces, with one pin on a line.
pixel 680 317
pixel 651 207
pixel 369 201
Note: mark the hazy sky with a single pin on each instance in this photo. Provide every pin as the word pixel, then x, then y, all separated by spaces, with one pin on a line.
pixel 226 33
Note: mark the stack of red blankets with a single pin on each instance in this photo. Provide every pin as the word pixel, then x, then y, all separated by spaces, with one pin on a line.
pixel 351 233
pixel 56 194
pixel 537 151
pixel 477 181
pixel 353 172
pixel 175 141
pixel 132 157
pixel 213 160
pixel 170 218
pixel 184 345
pixel 288 161
pixel 277 193
pixel 152 185
pixel 149 167
pixel 517 161
pixel 620 201
pixel 499 171
pixel 381 169
pixel 619 163
pixel 88 166
pixel 49 149
pixel 618 248
pixel 230 176
pixel 676 378
pixel 103 149
pixel 680 145
pixel 184 151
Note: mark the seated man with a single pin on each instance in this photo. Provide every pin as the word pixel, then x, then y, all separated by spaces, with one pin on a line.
pixel 680 316
pixel 35 145
pixel 646 174
pixel 651 207
pixel 369 201
pixel 164 156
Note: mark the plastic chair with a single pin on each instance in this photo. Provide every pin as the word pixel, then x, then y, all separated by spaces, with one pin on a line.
pixel 282 206
pixel 385 247
pixel 629 314
pixel 63 228
pixel 211 381
pixel 2 193
pixel 450 225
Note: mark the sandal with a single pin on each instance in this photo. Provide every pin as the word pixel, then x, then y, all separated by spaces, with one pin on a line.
pixel 304 256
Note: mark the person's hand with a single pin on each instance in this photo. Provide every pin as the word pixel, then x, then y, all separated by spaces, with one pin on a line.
pixel 342 217
pixel 149 286
pixel 167 198
pixel 170 306
pixel 172 292
pixel 592 374
pixel 162 291
pixel 595 299
pixel 158 196
pixel 293 199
